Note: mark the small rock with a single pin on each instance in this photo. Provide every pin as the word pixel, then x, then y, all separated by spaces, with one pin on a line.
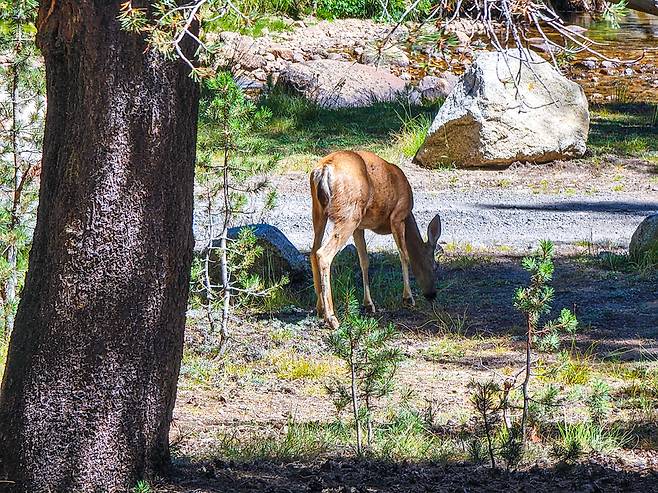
pixel 645 239
pixel 463 37
pixel 279 258
pixel 589 63
pixel 340 84
pixel 250 61
pixel 259 74
pixel 433 87
pixel 244 82
pixel 281 52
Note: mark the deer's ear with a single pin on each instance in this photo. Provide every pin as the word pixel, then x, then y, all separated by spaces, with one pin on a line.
pixel 434 231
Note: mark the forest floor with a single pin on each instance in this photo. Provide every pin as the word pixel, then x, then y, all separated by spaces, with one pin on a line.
pixel 260 418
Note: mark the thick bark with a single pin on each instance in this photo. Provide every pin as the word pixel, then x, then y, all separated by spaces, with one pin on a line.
pixel 90 382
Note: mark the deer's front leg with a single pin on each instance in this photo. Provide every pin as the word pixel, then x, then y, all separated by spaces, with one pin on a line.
pixel 360 242
pixel 399 235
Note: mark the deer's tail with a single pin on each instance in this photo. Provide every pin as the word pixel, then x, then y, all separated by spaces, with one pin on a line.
pixel 321 178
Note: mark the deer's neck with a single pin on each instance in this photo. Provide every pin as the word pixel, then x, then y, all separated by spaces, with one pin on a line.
pixel 414 242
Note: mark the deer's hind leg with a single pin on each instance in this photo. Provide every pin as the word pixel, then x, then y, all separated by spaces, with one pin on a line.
pixel 360 242
pixel 319 225
pixel 325 256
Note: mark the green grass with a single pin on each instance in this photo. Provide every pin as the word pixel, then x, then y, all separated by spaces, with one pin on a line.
pixel 577 439
pixel 290 365
pixel 404 435
pixel 448 348
pixel 254 27
pixel 142 487
pixel 295 442
pixel 623 262
pixel 198 370
pixel 412 134
pixel 301 132
pixel 627 129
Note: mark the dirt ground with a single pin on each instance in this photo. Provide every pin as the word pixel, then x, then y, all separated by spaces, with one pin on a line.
pixel 491 218
pixel 618 313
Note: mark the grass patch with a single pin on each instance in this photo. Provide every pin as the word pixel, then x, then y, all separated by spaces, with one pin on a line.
pixel 302 131
pixel 291 365
pixel 623 262
pixel 282 335
pixel 295 442
pixel 577 439
pixel 255 28
pixel 403 436
pixel 198 370
pixel 448 348
pixel 407 436
pixel 626 129
pixel 462 256
pixel 412 134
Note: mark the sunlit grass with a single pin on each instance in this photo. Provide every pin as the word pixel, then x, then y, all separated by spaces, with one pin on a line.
pixel 291 365
pixel 198 370
pixel 624 129
pixel 412 134
pixel 447 348
pixel 300 131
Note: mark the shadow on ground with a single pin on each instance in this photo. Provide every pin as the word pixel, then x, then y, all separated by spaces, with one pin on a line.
pixel 617 306
pixel 356 476
pixel 582 206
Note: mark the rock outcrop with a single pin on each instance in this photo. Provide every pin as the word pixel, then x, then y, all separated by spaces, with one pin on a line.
pixel 341 84
pixel 505 110
pixel 279 258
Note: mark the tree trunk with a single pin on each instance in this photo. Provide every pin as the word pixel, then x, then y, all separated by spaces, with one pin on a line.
pixel 90 383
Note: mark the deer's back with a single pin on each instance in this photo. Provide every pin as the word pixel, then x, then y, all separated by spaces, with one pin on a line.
pixel 363 184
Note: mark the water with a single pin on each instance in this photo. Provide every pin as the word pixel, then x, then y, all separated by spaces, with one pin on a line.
pixel 635 39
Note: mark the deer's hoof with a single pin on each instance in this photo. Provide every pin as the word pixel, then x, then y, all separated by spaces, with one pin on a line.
pixel 369 308
pixel 408 301
pixel 333 322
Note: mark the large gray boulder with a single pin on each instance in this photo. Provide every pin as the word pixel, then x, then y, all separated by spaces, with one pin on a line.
pixel 279 258
pixel 341 84
pixel 645 239
pixel 503 110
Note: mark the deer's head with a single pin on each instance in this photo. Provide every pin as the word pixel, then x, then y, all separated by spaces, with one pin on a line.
pixel 425 267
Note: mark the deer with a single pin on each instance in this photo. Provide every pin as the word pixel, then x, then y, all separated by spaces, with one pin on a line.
pixel 355 191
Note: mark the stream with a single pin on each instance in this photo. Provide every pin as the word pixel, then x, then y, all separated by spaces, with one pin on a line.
pixel 604 81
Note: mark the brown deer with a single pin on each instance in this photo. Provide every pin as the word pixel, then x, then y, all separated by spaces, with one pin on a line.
pixel 356 191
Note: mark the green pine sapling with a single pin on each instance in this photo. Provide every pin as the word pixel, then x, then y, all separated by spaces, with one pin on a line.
pixel 372 361
pixel 226 179
pixel 534 301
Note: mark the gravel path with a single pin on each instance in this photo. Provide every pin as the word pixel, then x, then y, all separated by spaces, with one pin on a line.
pixel 490 218
pixel 564 202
